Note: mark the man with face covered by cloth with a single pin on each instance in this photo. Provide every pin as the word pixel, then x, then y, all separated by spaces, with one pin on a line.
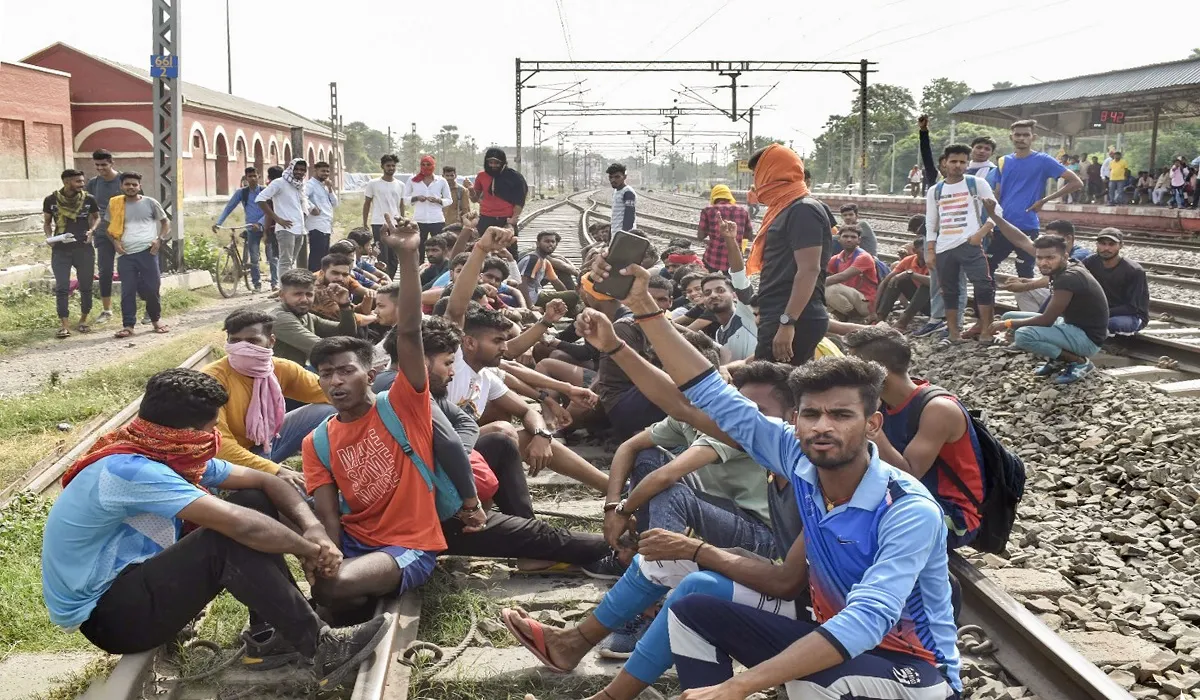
pixel 500 191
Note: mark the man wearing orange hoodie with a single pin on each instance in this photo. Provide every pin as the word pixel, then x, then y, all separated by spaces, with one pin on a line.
pixel 790 253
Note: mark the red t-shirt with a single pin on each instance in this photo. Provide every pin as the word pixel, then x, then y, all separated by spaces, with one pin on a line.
pixel 390 505
pixel 867 282
pixel 910 263
pixel 490 205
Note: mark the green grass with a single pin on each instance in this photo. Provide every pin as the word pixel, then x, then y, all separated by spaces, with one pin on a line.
pixel 72 686
pixel 24 623
pixel 28 315
pixel 542 687
pixel 445 611
pixel 28 422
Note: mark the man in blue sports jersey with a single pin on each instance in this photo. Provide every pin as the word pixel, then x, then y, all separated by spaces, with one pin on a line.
pixel 873 538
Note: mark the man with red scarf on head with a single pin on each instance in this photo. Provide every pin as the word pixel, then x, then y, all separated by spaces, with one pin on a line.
pixel 115 567
pixel 790 255
pixel 428 194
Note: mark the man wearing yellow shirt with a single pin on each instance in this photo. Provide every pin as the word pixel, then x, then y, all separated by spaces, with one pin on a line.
pixel 1116 179
pixel 256 430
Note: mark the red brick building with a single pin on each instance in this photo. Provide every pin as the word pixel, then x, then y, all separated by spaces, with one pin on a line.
pixel 35 130
pixel 110 107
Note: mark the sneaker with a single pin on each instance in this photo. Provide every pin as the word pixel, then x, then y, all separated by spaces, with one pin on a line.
pixel 267 649
pixel 341 649
pixel 1051 367
pixel 146 320
pixel 928 328
pixel 620 644
pixel 607 569
pixel 104 317
pixel 1074 372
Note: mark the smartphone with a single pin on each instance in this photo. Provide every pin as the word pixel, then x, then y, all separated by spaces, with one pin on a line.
pixel 625 249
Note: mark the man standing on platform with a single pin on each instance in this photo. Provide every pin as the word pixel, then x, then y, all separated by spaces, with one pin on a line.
pixel 105 186
pixel 322 200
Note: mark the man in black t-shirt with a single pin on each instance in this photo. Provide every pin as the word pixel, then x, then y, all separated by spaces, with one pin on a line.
pixel 69 218
pixel 791 288
pixel 1075 321
pixel 1123 282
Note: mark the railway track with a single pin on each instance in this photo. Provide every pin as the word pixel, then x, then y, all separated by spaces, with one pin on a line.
pixel 1003 631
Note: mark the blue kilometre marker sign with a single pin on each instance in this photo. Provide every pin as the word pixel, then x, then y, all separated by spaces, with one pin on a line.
pixel 164 66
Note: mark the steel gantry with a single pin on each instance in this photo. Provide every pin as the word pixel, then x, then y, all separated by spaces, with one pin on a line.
pixel 855 70
pixel 167 97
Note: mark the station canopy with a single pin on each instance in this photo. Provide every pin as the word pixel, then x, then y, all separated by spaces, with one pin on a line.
pixel 1133 99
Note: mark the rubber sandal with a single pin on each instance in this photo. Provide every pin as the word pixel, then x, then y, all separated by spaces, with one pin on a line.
pixel 63 333
pixel 163 328
pixel 83 328
pixel 557 569
pixel 124 333
pixel 535 642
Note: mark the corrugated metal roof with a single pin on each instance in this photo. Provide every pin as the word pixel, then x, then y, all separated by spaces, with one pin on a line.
pixel 201 96
pixel 1160 76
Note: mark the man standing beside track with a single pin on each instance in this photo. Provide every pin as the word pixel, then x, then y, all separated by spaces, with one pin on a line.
pixel 460 197
pixel 283 202
pixel 1123 282
pixel 501 193
pixel 624 200
pixel 1023 175
pixel 105 186
pixel 384 196
pixel 790 253
pixel 318 220
pixel 247 197
pixel 428 194
pixel 73 213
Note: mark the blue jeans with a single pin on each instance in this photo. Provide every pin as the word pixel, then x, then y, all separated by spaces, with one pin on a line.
pixel 251 255
pixel 999 250
pixel 707 633
pixel 1124 325
pixel 1116 192
pixel 139 277
pixel 937 305
pixel 297 425
pixel 645 582
pixel 719 521
pixel 1050 341
pixel 1178 197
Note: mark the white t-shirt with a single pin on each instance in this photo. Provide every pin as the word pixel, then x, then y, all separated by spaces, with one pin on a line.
pixel 385 199
pixel 470 390
pixel 958 213
pixel 428 212
pixel 289 203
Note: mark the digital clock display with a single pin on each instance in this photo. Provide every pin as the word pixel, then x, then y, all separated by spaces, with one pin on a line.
pixel 1103 117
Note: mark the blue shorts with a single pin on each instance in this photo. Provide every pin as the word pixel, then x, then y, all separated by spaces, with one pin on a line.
pixel 415 565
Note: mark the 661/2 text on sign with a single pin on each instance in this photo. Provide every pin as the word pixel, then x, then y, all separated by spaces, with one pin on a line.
pixel 164 66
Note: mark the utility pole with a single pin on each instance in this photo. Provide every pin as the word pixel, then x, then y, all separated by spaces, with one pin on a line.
pixel 575 170
pixel 228 48
pixel 389 148
pixel 334 120
pixel 862 127
pixel 165 114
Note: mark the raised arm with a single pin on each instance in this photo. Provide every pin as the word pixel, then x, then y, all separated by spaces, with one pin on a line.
pixel 404 240
pixel 555 310
pixel 492 240
pixel 928 165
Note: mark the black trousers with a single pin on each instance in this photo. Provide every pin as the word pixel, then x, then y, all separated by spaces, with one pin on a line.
pixel 318 247
pixel 106 262
pixel 917 295
pixel 428 230
pixel 485 221
pixel 82 257
pixel 149 603
pixel 809 333
pixel 510 537
pixel 386 256
pixel 504 457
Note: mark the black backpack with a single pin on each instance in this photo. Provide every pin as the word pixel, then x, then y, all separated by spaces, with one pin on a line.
pixel 1003 476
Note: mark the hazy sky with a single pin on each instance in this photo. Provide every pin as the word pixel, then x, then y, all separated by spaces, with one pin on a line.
pixel 438 63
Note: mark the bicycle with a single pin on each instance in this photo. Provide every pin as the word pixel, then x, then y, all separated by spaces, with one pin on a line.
pixel 231 266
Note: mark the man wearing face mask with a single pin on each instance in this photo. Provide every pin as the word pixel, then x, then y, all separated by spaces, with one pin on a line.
pixel 285 203
pixel 428 194
pixel 255 430
pixel 500 191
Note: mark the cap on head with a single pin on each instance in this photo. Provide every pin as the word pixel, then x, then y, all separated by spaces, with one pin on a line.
pixel 1111 234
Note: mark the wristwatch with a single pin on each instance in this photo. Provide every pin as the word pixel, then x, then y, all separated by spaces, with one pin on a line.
pixel 785 320
pixel 542 432
pixel 620 509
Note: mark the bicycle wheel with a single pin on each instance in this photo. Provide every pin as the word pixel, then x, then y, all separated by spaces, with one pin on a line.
pixel 229 271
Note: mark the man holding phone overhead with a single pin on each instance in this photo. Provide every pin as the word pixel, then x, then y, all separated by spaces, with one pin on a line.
pixel 790 253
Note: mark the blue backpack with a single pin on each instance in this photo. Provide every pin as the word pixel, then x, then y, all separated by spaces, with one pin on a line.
pixel 445 495
pixel 881 268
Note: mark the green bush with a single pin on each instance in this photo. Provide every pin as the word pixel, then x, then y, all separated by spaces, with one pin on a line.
pixel 200 253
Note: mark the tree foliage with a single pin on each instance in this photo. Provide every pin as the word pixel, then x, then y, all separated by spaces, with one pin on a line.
pixel 940 95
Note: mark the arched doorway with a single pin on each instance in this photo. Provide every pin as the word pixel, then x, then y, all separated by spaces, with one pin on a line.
pixel 274 154
pixel 200 153
pixel 312 156
pixel 258 160
pixel 221 164
pixel 287 154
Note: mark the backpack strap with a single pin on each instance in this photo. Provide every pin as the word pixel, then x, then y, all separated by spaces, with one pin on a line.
pixel 395 427
pixel 321 443
pixel 925 394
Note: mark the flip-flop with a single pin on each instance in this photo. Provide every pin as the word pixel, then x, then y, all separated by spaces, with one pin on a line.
pixel 124 333
pixel 535 642
pixel 83 328
pixel 63 333
pixel 160 329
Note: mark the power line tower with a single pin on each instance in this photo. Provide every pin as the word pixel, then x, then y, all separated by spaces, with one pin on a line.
pixel 167 109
